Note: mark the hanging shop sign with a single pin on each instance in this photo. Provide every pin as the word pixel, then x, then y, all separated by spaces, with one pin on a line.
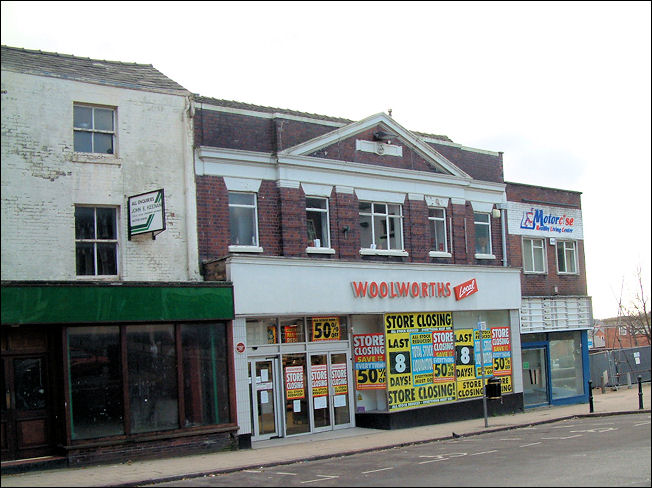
pixel 544 221
pixel 294 383
pixel 410 345
pixel 369 355
pixel 325 328
pixel 147 213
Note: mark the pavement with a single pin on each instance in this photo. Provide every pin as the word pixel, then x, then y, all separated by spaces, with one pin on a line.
pixel 324 445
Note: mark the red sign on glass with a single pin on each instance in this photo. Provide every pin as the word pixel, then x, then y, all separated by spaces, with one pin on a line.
pixel 465 289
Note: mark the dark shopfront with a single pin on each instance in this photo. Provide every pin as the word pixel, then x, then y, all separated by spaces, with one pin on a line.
pixel 98 372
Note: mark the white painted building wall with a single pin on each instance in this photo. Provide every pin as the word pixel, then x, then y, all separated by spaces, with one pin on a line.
pixel 43 179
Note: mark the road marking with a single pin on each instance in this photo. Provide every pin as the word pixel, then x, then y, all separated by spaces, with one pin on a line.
pixel 531 444
pixel 252 470
pixel 642 423
pixel 561 438
pixel 323 478
pixel 512 439
pixel 289 474
pixel 484 452
pixel 599 431
pixel 376 470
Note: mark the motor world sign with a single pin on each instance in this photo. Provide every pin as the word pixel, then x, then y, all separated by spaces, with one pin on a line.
pixel 544 221
pixel 147 213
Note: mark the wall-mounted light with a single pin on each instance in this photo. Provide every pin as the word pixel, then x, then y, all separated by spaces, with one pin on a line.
pixel 383 136
pixel 495 213
pixel 346 229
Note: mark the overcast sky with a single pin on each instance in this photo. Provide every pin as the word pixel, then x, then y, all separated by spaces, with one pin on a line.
pixel 562 88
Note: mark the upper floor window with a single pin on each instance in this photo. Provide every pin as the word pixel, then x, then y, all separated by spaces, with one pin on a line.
pixel 567 257
pixel 482 223
pixel 243 219
pixel 317 222
pixel 96 241
pixel 381 226
pixel 534 255
pixel 94 129
pixel 437 218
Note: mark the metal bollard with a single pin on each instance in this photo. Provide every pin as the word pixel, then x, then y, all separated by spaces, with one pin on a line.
pixel 640 393
pixel 590 397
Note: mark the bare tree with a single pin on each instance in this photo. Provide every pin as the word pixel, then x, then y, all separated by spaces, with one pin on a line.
pixel 635 315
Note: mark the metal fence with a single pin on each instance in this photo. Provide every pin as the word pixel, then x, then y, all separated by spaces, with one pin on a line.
pixel 620 367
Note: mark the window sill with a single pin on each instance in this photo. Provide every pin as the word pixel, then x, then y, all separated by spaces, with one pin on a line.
pixel 485 256
pixel 320 250
pixel 439 254
pixel 535 272
pixel 237 248
pixel 382 252
pixel 96 158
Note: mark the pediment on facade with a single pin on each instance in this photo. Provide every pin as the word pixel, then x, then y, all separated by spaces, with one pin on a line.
pixel 377 139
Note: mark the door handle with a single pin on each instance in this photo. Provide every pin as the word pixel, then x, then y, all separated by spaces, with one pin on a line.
pixel 8 399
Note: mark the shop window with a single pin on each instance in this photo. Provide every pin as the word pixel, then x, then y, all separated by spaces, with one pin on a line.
pixel 152 366
pixel 96 241
pixel 151 363
pixel 328 328
pixel 381 226
pixel 94 129
pixel 262 331
pixel 566 376
pixel 482 222
pixel 292 330
pixel 437 218
pixel 534 255
pixel 567 257
pixel 243 219
pixel 205 386
pixel 317 222
pixel 95 382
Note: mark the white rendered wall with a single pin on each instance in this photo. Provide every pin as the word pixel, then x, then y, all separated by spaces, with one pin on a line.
pixel 43 179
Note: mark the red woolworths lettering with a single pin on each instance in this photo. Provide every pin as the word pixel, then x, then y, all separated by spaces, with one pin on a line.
pixel 465 289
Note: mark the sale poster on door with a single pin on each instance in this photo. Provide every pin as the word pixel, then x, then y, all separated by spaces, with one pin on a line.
pixel 294 383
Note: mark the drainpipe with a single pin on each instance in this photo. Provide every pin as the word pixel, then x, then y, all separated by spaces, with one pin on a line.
pixel 502 229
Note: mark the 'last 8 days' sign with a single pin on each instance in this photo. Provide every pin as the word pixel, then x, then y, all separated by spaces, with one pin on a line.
pixel 420 359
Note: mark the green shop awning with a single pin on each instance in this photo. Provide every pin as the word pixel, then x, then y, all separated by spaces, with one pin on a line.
pixel 66 302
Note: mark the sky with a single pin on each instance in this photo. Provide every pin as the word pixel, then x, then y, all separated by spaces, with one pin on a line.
pixel 563 89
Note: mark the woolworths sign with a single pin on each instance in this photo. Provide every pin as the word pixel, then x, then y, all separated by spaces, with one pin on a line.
pixel 147 213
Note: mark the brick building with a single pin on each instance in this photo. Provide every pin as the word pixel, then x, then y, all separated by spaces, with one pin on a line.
pixel 545 239
pixel 346 241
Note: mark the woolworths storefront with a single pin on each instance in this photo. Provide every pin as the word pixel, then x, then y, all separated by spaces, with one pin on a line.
pixel 330 344
pixel 100 371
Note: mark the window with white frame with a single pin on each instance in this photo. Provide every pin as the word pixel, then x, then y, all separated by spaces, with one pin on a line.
pixel 94 129
pixel 317 222
pixel 96 241
pixel 534 255
pixel 437 218
pixel 482 222
pixel 567 257
pixel 243 218
pixel 381 226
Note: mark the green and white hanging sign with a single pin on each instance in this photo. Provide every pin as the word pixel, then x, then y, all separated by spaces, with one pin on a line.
pixel 147 213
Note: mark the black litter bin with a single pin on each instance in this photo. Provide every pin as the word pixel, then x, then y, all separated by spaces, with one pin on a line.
pixel 493 388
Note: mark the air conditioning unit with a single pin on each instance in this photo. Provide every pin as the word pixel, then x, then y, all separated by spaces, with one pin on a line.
pixel 553 241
